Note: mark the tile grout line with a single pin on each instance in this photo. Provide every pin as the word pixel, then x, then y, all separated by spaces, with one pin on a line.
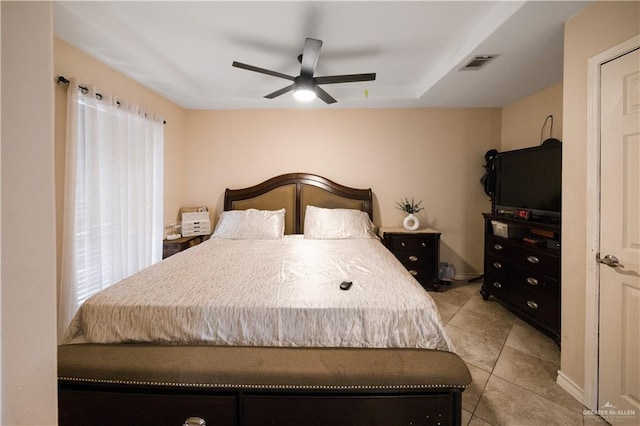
pixel 475 408
pixel 492 374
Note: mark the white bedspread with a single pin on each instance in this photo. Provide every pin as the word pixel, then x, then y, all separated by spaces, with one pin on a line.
pixel 267 293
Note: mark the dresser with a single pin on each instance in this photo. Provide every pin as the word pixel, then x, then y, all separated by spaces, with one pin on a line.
pixel 525 276
pixel 418 251
pixel 171 247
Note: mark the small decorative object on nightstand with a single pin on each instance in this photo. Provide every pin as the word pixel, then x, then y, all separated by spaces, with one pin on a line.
pixel 418 251
pixel 171 247
pixel 411 222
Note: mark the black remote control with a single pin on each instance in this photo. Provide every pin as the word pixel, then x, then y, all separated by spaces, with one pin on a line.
pixel 345 285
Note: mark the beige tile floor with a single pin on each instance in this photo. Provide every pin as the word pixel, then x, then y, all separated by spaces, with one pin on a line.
pixel 513 365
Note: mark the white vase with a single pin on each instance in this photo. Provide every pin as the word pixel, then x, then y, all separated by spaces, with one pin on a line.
pixel 411 222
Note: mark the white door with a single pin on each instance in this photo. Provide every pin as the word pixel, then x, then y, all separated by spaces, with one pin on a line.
pixel 619 351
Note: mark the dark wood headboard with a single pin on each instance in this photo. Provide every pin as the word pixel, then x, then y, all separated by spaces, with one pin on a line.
pixel 294 192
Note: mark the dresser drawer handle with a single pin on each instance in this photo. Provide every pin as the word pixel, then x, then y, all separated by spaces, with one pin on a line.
pixel 497 265
pixel 497 246
pixel 413 258
pixel 533 259
pixel 412 272
pixel 532 304
pixel 532 281
pixel 423 244
pixel 194 421
pixel 497 284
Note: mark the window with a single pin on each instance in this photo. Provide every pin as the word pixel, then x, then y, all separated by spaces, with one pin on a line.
pixel 113 196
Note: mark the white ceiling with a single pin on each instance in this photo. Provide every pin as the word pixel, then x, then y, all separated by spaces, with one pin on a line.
pixel 184 50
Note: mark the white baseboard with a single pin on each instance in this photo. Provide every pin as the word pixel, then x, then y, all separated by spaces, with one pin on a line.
pixel 466 276
pixel 569 385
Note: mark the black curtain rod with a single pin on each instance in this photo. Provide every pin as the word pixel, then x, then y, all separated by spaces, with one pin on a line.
pixel 85 90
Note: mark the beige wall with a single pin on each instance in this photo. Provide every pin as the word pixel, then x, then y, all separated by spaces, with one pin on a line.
pixel 435 155
pixel 28 283
pixel 522 121
pixel 598 27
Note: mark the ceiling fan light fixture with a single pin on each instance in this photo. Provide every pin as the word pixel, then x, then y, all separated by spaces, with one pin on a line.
pixel 304 94
pixel 305 86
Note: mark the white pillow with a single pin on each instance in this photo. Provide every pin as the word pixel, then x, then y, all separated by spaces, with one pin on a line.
pixel 321 223
pixel 250 224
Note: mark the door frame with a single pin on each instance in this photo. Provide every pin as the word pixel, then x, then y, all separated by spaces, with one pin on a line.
pixel 592 298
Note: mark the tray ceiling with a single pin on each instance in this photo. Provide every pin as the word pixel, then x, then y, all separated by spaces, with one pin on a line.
pixel 184 50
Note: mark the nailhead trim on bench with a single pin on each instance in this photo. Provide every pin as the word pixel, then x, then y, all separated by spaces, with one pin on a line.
pixel 256 386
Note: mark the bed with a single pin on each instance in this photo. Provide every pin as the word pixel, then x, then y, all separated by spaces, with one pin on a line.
pixel 274 340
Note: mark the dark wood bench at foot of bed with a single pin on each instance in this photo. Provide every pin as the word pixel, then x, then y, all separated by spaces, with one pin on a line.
pixel 164 385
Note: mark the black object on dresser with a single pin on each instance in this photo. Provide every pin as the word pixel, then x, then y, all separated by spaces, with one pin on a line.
pixel 522 270
pixel 171 247
pixel 418 251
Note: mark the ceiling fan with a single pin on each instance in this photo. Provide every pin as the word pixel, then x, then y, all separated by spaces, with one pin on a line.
pixel 305 86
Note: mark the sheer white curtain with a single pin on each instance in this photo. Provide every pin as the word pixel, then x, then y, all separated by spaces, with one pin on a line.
pixel 112 224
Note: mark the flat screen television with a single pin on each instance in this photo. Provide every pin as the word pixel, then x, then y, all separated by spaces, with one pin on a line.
pixel 530 179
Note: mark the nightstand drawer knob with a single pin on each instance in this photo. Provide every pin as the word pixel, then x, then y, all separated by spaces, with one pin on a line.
pixel 412 272
pixel 497 265
pixel 532 281
pixel 497 246
pixel 424 244
pixel 532 304
pixel 403 244
pixel 194 421
pixel 497 284
pixel 533 259
pixel 413 258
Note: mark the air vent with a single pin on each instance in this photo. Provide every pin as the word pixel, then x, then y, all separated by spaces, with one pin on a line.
pixel 478 62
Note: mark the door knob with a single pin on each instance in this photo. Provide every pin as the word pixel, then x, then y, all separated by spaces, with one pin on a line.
pixel 609 260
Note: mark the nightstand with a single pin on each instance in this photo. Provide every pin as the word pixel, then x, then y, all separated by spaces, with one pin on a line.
pixel 171 247
pixel 418 251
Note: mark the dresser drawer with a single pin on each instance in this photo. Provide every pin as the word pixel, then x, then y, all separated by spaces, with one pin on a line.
pixel 539 261
pixel 521 277
pixel 533 304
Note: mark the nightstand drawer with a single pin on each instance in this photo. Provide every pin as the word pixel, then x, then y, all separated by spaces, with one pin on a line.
pixel 411 257
pixel 418 251
pixel 424 243
pixel 422 275
pixel 171 247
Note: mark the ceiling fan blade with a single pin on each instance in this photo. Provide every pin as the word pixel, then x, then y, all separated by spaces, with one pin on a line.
pixel 279 92
pixel 327 98
pixel 262 70
pixel 310 55
pixel 347 78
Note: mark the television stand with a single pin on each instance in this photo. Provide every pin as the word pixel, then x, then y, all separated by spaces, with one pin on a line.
pixel 522 276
